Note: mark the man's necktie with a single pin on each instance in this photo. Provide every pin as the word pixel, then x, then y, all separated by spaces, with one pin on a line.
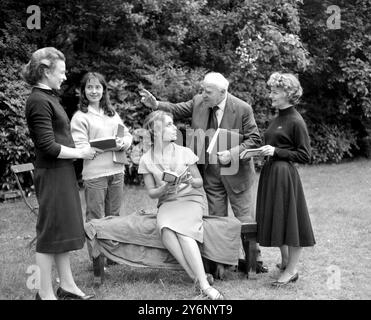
pixel 213 120
pixel 212 124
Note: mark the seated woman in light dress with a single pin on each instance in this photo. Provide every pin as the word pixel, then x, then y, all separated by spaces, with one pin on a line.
pixel 180 208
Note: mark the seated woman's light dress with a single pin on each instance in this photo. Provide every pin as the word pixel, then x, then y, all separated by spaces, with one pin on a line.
pixel 180 211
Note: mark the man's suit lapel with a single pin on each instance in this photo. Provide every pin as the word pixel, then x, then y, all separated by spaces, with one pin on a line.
pixel 229 115
pixel 202 117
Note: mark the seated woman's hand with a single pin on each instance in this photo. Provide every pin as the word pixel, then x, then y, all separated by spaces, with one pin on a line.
pixel 167 188
pixel 187 179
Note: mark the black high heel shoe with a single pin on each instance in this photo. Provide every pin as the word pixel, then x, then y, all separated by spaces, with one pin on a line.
pixel 66 295
pixel 294 278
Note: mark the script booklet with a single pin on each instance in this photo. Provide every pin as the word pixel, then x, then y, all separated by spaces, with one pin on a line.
pixel 120 156
pixel 224 139
pixel 248 153
pixel 105 144
pixel 120 131
pixel 174 178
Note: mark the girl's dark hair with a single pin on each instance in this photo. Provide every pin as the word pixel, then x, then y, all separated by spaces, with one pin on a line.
pixel 44 58
pixel 150 121
pixel 104 103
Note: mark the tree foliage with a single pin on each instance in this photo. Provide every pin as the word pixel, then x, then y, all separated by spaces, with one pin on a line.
pixel 338 81
pixel 167 46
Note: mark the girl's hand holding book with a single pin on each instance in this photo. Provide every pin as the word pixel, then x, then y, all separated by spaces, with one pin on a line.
pixel 121 144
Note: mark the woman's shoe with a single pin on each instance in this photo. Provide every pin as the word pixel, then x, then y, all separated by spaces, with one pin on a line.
pixel 277 283
pixel 66 295
pixel 37 297
pixel 209 278
pixel 213 294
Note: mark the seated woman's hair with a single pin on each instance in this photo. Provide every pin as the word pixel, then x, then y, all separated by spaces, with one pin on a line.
pixel 289 83
pixel 104 103
pixel 41 59
pixel 152 120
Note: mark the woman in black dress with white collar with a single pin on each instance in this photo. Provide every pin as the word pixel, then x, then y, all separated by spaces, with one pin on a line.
pixel 59 226
pixel 281 211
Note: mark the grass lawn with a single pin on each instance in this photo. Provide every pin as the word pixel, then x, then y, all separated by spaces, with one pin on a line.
pixel 339 202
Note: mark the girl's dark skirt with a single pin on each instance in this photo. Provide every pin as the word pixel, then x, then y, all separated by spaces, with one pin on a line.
pixel 281 210
pixel 60 224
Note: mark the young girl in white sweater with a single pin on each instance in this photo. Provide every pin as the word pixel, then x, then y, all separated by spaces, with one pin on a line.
pixel 103 177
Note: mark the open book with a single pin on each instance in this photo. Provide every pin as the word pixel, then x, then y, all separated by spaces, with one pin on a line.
pixel 248 153
pixel 174 178
pixel 224 139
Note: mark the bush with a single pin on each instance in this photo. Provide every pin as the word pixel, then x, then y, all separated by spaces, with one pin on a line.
pixel 331 143
pixel 16 145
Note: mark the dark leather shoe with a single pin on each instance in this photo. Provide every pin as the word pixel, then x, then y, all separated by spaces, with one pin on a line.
pixel 219 272
pixel 260 267
pixel 210 278
pixel 110 262
pixel 277 283
pixel 66 295
pixel 37 297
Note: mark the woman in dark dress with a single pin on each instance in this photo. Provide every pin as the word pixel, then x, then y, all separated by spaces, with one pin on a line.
pixel 281 211
pixel 59 226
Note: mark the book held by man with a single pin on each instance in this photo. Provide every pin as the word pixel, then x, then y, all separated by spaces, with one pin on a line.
pixel 224 139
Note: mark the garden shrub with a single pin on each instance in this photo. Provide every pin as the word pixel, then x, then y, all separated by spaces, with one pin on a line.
pixel 331 143
pixel 16 146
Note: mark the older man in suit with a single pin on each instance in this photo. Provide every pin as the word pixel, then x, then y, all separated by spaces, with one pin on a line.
pixel 214 108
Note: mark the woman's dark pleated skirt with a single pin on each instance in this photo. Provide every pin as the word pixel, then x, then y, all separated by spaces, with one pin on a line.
pixel 281 210
pixel 59 226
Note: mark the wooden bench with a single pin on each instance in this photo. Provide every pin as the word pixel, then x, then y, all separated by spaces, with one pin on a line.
pixel 248 236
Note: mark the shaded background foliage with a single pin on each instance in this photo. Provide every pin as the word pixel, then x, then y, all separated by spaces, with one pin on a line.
pixel 167 46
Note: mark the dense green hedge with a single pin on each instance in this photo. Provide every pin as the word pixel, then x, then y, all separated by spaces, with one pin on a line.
pixel 167 46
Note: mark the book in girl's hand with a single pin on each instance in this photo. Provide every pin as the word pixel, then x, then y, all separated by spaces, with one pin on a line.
pixel 174 178
pixel 120 130
pixel 105 144
pixel 120 156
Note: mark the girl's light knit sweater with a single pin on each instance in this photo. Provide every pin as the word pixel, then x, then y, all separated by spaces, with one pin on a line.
pixel 94 125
